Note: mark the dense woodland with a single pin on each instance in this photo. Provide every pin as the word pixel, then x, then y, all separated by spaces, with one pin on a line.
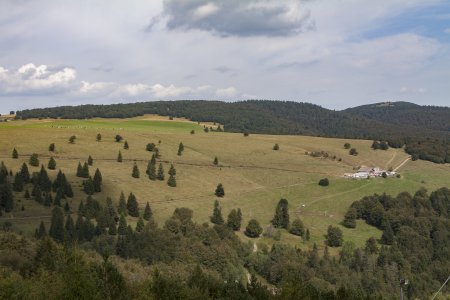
pixel 425 130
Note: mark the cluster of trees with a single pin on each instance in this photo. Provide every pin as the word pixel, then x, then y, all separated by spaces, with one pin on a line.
pixel 383 145
pixel 159 174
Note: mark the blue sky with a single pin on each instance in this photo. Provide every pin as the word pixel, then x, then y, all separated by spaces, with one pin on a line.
pixel 333 53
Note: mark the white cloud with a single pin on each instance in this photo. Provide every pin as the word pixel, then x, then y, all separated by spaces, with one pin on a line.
pixel 206 10
pixel 226 92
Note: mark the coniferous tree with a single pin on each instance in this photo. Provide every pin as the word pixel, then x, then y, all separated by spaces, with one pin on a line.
pixel 44 181
pixel 67 208
pixel 147 212
pixel 233 220
pixel 38 194
pixel 216 217
pixel 41 232
pixel 24 173
pixel 122 209
pixel 387 237
pixel 281 217
pixel 34 160
pixel 48 201
pixel 297 227
pixel 334 236
pixel 132 206
pixel 6 198
pixel 160 175
pixel 90 161
pixel 180 149
pixel 126 146
pixel 18 183
pixel 15 154
pixel 239 215
pixel 350 218
pixel 135 173
pixel 140 225
pixel 253 229
pixel 118 138
pixel 81 210
pixel 70 229
pixel 307 235
pixel 79 224
pixel 276 147
pixel 68 190
pixel 157 152
pixel 122 229
pixel 88 186
pixel 85 171
pixel 51 147
pixel 51 163
pixel 72 139
pixel 98 180
pixel 119 157
pixel 112 230
pixel 79 170
pixel 220 192
pixel 58 197
pixel 57 225
pixel 172 170
pixel 99 137
pixel 27 194
pixel 152 171
pixel 216 161
pixel 172 182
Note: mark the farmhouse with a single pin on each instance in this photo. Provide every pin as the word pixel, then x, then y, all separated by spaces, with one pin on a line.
pixel 368 172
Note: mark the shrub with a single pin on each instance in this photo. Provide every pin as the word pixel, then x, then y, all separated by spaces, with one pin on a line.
pixel 253 229
pixel 324 182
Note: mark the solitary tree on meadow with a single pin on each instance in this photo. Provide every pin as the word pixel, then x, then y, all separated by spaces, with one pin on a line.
pixel 216 217
pixel 172 182
pixel 126 146
pixel 281 217
pixel 90 161
pixel 34 160
pixel 15 154
pixel 180 149
pixel 160 175
pixel 119 157
pixel 72 139
pixel 220 192
pixel 99 137
pixel 51 164
pixel 51 147
pixel 135 173
pixel 118 138
pixel 147 212
pixel 253 229
pixel 216 161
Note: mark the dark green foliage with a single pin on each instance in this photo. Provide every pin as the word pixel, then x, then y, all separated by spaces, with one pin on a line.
pixel 297 227
pixel 97 181
pixel 18 183
pixel 253 229
pixel 67 208
pixel 118 138
pixel 99 137
pixel 122 209
pixel 350 218
pixel 216 161
pixel 281 217
pixel 88 186
pixel 353 151
pixel 34 160
pixel 6 198
pixel 48 200
pixel 126 146
pixel 371 246
pixel 160 175
pixel 79 170
pixel 112 229
pixel 119 157
pixel 59 195
pixel 151 168
pixel 83 171
pixel 24 173
pixel 307 235
pixel 140 225
pixel 40 232
pixel 220 192
pixel 216 217
pixel 347 146
pixel 51 163
pixel 172 170
pixel 172 182
pixel 90 161
pixel 234 220
pixel 150 147
pixel 135 173
pixel 192 131
pixel 147 212
pixel 43 180
pixel 387 237
pixel 70 229
pixel 52 147
pixel 57 231
pixel 276 147
pixel 122 229
pixel 72 139
pixel 180 149
pixel 132 206
pixel 27 194
pixel 15 154
pixel 37 194
pixel 334 236
pixel 324 182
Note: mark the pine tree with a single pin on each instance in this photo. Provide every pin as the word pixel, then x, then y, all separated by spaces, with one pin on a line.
pixel 135 173
pixel 125 146
pixel 220 192
pixel 90 161
pixel 122 209
pixel 160 175
pixel 57 225
pixel 79 170
pixel 99 137
pixel 48 201
pixel 18 183
pixel 81 210
pixel 34 160
pixel 140 225
pixel 172 170
pixel 216 161
pixel 6 198
pixel 15 154
pixel 147 212
pixel 132 206
pixel 44 181
pixel 172 182
pixel 38 194
pixel 70 228
pixel 122 229
pixel 51 147
pixel 180 149
pixel 88 186
pixel 24 173
pixel 85 171
pixel 68 190
pixel 58 197
pixel 233 220
pixel 98 180
pixel 281 217
pixel 216 217
pixel 119 157
pixel 41 232
pixel 152 171
pixel 51 163
pixel 67 207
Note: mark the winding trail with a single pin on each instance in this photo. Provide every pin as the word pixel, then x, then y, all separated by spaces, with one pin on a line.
pixel 401 165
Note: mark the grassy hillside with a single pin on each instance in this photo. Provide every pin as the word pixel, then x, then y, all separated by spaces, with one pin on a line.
pixel 255 177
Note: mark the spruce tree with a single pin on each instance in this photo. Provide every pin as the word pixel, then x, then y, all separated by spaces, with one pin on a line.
pixel 34 160
pixel 135 173
pixel 57 225
pixel 79 170
pixel 85 171
pixel 68 190
pixel 281 217
pixel 147 212
pixel 152 171
pixel 119 157
pixel 172 182
pixel 38 194
pixel 122 229
pixel 140 225
pixel 88 186
pixel 307 235
pixel 18 183
pixel 180 149
pixel 51 147
pixel 70 228
pixel 160 175
pixel 51 163
pixel 15 154
pixel 98 180
pixel 253 229
pixel 99 137
pixel 220 192
pixel 41 232
pixel 132 206
pixel 90 161
pixel 126 146
pixel 216 161
pixel 216 217
pixel 24 173
pixel 44 181
pixel 172 170
pixel 81 210
pixel 58 197
pixel 297 227
pixel 122 209
pixel 112 230
pixel 67 208
pixel 6 198
pixel 48 201
pixel 233 220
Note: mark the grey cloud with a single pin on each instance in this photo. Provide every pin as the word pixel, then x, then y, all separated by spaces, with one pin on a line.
pixel 223 69
pixel 238 18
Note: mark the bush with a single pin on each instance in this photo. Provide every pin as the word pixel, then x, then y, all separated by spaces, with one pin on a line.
pixel 353 151
pixel 253 229
pixel 334 236
pixel 276 147
pixel 347 146
pixel 324 182
pixel 297 227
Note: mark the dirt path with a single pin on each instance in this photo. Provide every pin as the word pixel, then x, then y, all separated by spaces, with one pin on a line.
pixel 401 165
pixel 391 160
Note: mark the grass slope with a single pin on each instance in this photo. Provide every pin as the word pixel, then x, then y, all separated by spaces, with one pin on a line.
pixel 255 177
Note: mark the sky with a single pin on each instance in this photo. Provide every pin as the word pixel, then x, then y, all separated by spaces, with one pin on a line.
pixel 334 53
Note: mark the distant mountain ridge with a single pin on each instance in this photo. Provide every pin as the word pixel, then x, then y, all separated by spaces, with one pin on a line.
pixel 424 129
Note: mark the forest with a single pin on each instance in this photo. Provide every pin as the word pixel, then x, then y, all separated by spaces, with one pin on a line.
pixel 424 131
